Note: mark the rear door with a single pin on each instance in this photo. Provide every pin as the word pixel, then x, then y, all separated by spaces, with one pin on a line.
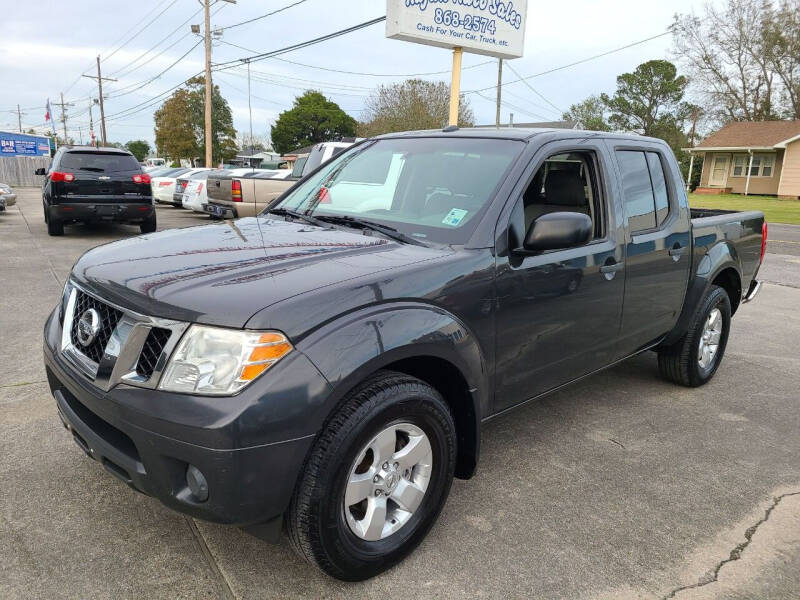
pixel 657 242
pixel 101 176
pixel 558 312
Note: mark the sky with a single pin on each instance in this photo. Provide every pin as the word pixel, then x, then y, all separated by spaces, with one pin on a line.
pixel 48 45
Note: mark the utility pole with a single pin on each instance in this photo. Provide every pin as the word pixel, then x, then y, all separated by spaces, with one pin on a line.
pixel 695 114
pixel 19 118
pixel 499 91
pixel 64 106
pixel 100 80
pixel 455 86
pixel 249 108
pixel 207 10
pixel 91 124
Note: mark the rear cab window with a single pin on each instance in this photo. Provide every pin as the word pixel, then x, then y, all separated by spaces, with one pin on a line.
pixel 99 162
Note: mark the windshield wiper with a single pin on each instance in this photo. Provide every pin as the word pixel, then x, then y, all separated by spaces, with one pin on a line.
pixel 297 215
pixel 389 232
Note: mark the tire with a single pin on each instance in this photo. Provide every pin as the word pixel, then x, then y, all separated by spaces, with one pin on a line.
pixel 54 226
pixel 682 362
pixel 322 529
pixel 148 226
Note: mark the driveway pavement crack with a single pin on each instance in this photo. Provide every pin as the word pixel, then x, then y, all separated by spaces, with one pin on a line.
pixel 613 441
pixel 226 591
pixel 736 553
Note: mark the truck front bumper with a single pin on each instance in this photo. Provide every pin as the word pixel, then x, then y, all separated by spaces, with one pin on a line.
pixel 128 212
pixel 249 486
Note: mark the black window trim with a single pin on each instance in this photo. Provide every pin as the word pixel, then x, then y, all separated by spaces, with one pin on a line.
pixel 651 233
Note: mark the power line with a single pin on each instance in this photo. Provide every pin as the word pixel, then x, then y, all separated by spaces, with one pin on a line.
pixel 152 79
pixel 573 64
pixel 269 14
pixel 298 46
pixel 527 83
pixel 293 62
pixel 134 36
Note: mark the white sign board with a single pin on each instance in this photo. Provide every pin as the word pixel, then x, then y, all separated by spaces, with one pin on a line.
pixel 491 27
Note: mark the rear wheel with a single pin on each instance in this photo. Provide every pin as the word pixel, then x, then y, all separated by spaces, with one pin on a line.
pixel 54 226
pixel 149 226
pixel 376 478
pixel 693 360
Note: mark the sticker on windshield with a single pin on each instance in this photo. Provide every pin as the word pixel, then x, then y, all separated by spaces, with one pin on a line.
pixel 455 216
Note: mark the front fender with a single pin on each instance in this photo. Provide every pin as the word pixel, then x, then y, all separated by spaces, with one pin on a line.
pixel 349 349
pixel 713 261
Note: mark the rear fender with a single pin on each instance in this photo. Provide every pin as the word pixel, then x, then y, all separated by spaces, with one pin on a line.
pixel 719 257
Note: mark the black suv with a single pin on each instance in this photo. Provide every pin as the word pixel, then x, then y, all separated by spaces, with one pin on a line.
pixel 96 184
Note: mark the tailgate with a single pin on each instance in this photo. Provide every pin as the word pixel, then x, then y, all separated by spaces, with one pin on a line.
pixel 219 188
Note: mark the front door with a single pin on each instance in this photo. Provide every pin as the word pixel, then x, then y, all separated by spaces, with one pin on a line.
pixel 719 170
pixel 558 312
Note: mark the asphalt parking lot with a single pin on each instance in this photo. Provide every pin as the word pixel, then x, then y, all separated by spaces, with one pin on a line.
pixel 622 486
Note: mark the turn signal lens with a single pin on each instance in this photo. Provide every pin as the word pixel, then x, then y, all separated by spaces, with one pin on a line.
pixel 271 352
pixel 236 190
pixel 61 176
pixel 764 230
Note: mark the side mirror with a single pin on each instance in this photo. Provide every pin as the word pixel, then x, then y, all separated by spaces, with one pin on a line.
pixel 556 231
pixel 40 171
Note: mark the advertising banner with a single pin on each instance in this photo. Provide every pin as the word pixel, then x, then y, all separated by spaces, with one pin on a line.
pixel 490 27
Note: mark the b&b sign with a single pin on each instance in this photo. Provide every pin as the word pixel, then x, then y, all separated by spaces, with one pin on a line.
pixel 491 27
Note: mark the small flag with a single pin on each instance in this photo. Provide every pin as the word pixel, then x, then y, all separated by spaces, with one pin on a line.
pixel 47 112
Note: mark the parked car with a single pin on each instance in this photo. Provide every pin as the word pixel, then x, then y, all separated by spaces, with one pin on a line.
pixel 180 186
pixel 154 163
pixel 7 196
pixel 195 191
pixel 223 201
pixel 162 183
pixel 329 364
pixel 84 183
pixel 246 195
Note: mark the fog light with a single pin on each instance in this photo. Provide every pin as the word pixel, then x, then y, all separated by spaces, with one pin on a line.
pixel 197 483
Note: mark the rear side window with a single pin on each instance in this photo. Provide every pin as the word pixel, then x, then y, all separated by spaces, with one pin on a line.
pixel 644 188
pixel 100 162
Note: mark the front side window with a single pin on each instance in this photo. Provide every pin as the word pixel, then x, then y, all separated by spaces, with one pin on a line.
pixel 767 162
pixel 565 182
pixel 433 189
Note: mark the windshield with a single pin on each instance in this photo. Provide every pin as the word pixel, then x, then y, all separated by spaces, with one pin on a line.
pixel 429 188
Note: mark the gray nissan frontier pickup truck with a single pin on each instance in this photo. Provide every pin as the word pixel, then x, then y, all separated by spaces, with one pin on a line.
pixel 326 366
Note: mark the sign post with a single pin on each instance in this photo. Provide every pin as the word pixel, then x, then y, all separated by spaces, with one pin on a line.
pixel 455 86
pixel 489 27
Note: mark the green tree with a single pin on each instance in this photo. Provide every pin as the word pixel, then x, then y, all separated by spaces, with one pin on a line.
pixel 175 131
pixel 139 148
pixel 180 124
pixel 410 105
pixel 223 137
pixel 312 119
pixel 649 100
pixel 589 114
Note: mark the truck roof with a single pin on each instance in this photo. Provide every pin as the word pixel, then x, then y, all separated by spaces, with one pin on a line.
pixel 514 133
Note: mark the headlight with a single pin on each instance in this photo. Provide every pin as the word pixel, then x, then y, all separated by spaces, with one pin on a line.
pixel 218 362
pixel 62 307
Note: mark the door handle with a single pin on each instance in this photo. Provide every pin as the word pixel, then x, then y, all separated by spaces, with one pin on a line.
pixel 676 252
pixel 609 270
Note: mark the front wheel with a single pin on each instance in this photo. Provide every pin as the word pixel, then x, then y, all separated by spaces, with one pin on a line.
pixel 376 479
pixel 693 359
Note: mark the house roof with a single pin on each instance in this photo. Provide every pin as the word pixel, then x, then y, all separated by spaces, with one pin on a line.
pixel 751 134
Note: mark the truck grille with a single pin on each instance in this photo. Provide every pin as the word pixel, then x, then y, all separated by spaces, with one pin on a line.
pixel 151 351
pixel 109 317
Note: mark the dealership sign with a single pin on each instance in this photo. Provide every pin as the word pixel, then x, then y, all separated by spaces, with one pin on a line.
pixel 21 144
pixel 491 27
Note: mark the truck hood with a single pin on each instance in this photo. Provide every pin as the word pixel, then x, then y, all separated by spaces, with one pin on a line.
pixel 223 273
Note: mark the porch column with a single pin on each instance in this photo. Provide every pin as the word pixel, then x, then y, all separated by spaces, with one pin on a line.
pixel 749 167
pixel 691 166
